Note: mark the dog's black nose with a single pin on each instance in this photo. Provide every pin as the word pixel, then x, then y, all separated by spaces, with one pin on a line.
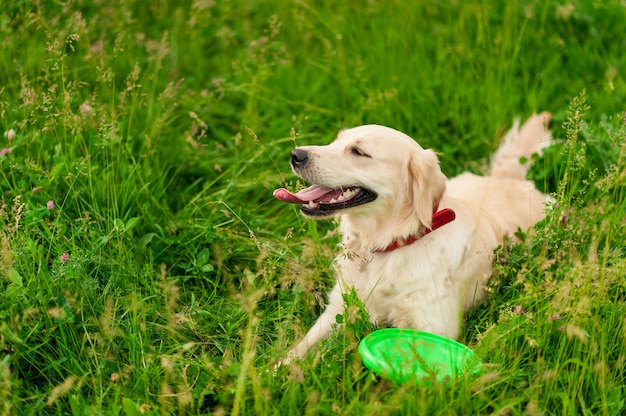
pixel 299 157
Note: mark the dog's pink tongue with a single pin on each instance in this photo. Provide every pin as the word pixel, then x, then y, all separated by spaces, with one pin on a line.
pixel 304 196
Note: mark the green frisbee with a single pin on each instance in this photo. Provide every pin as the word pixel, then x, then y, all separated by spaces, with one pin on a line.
pixel 402 355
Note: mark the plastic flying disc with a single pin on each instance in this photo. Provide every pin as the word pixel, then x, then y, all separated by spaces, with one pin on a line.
pixel 403 355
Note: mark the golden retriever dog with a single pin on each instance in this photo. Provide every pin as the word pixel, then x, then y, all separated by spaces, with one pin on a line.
pixel 417 248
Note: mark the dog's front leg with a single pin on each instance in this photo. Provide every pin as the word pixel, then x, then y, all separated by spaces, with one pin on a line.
pixel 322 327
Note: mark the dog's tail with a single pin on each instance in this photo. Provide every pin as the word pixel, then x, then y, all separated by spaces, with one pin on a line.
pixel 520 144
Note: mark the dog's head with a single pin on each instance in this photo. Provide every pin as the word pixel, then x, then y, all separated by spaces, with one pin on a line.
pixel 372 173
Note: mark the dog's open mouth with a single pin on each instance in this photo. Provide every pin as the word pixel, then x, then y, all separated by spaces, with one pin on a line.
pixel 317 200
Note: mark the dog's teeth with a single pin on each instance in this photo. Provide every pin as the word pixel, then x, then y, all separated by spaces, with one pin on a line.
pixel 312 204
pixel 333 201
pixel 348 194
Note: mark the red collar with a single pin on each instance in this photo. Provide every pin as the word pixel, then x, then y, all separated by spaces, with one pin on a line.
pixel 440 218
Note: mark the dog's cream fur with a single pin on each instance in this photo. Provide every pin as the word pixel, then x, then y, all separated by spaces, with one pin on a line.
pixel 429 284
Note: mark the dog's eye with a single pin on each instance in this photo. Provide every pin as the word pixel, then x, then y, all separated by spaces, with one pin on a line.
pixel 358 152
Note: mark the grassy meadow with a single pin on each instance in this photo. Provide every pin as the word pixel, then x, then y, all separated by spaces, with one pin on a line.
pixel 146 269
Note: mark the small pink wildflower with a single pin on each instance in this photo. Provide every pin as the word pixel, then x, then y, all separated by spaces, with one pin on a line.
pixel 519 310
pixel 5 150
pixel 554 317
pixel 65 257
pixel 50 205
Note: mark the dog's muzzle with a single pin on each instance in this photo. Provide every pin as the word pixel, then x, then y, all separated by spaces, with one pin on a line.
pixel 321 200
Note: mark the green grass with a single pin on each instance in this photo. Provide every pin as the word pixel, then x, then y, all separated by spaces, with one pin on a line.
pixel 167 280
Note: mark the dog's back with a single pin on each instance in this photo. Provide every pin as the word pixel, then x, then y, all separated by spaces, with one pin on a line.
pixel 507 180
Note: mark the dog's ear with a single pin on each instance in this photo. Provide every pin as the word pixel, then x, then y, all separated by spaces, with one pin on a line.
pixel 425 185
